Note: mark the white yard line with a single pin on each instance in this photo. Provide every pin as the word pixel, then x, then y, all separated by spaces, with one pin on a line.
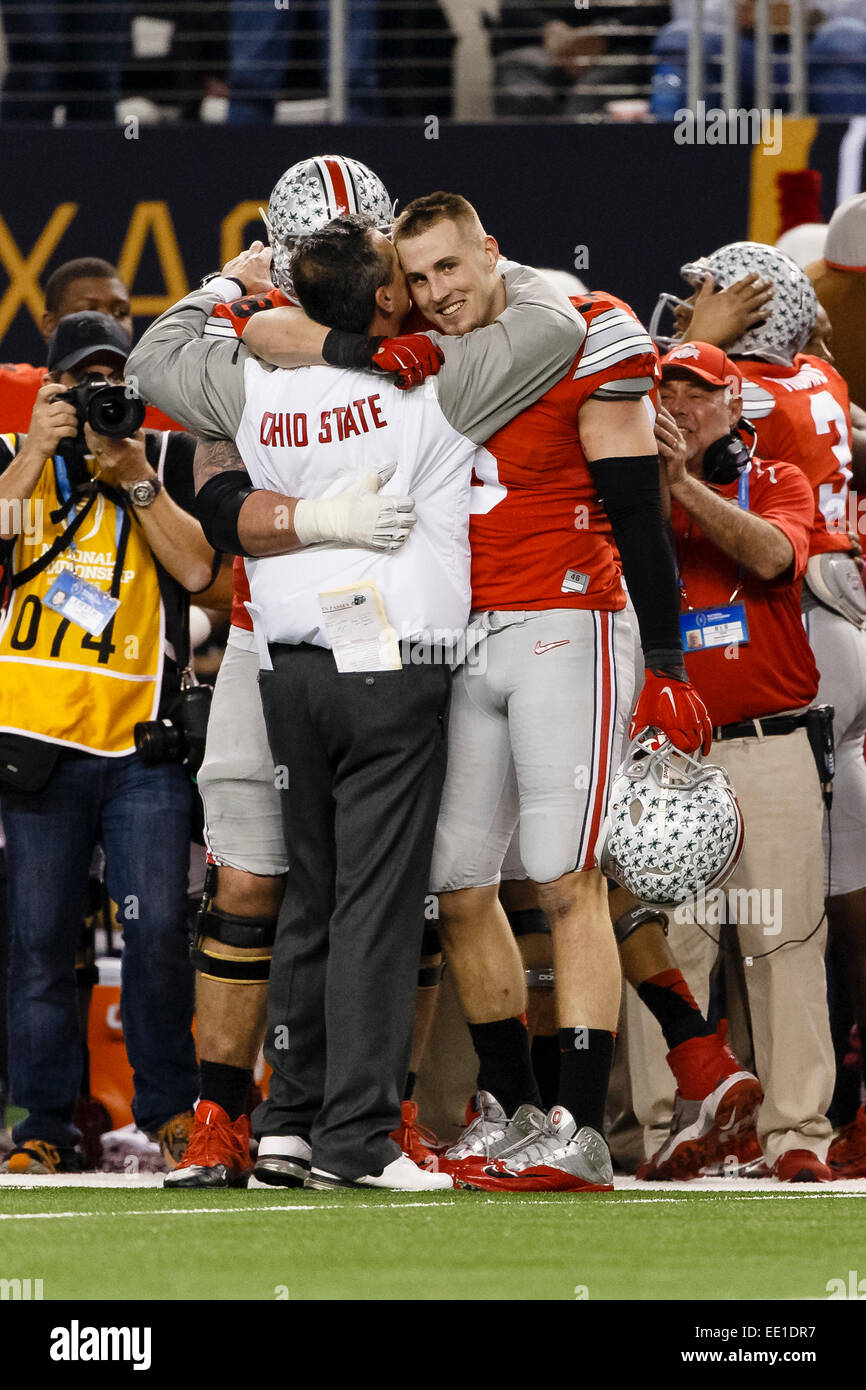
pixel 732 1186
pixel 219 1211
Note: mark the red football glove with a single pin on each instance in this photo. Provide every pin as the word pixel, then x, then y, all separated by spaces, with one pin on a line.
pixel 409 359
pixel 676 709
pixel 240 311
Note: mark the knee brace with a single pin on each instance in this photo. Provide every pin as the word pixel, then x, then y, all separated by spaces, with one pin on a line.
pixel 541 979
pixel 251 933
pixel 638 917
pixel 529 921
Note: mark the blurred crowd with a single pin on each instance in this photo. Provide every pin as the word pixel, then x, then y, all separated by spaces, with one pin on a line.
pixel 550 58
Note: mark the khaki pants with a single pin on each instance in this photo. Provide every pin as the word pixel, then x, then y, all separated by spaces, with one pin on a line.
pixel 776 898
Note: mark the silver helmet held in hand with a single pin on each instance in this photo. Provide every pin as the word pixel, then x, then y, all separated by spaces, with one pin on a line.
pixel 791 312
pixel 673 827
pixel 313 192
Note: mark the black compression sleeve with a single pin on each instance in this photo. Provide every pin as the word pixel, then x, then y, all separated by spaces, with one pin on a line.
pixel 218 505
pixel 629 490
pixel 352 350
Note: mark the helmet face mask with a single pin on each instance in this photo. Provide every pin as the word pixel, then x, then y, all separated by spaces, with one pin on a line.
pixel 311 194
pixel 791 313
pixel 673 827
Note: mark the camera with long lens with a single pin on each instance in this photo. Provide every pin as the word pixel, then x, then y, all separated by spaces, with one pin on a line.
pixel 180 736
pixel 114 410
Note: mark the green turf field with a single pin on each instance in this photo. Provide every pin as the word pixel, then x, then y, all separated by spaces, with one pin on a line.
pixel 121 1243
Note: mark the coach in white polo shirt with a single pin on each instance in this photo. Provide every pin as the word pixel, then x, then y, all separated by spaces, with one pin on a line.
pixel 357 730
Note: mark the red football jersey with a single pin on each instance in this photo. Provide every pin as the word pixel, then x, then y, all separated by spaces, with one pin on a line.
pixel 801 414
pixel 775 670
pixel 539 536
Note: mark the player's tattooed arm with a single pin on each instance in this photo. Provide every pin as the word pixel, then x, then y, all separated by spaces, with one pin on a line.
pixel 213 457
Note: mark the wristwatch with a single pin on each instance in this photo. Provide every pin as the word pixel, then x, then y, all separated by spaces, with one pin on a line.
pixel 142 493
pixel 218 275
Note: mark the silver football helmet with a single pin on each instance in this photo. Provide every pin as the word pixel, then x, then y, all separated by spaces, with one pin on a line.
pixel 791 313
pixel 313 192
pixel 673 825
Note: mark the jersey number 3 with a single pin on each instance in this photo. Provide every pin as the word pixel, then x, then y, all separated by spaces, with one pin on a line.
pixel 827 412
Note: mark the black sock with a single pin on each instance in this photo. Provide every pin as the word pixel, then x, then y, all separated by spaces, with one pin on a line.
pixel 505 1066
pixel 545 1064
pixel 672 1004
pixel 409 1090
pixel 585 1056
pixel 226 1086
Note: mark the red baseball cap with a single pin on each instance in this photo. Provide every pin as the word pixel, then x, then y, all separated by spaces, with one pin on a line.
pixel 709 363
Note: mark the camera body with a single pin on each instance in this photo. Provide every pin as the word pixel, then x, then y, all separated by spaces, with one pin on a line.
pixel 180 737
pixel 111 409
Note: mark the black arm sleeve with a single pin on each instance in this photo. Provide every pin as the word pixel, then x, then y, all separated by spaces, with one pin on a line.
pixel 353 351
pixel 629 491
pixel 218 505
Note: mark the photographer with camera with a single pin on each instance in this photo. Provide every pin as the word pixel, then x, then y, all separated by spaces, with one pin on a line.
pixel 100 551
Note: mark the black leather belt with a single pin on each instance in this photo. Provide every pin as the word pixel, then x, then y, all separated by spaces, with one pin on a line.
pixel 754 728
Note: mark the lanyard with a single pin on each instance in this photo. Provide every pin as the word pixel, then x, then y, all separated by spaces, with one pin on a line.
pixel 62 541
pixel 743 504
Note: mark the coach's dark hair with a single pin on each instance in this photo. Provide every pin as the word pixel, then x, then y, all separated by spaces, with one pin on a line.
pixel 85 268
pixel 337 271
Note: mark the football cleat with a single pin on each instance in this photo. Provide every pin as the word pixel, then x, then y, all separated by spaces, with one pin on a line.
pixel 218 1152
pixel 130 1150
pixel 488 1133
pixel 173 1137
pixel 418 1143
pixel 38 1157
pixel 847 1156
pixel 721 1099
pixel 741 1157
pixel 283 1160
pixel 555 1156
pixel 801 1165
pixel 402 1175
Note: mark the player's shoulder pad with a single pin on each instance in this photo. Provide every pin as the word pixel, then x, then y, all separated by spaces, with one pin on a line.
pixel 758 403
pixel 614 334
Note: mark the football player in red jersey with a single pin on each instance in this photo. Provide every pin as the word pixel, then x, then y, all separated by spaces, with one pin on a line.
pixel 248 857
pixel 753 301
pixel 536 726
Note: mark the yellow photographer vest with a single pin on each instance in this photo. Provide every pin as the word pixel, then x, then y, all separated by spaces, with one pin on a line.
pixel 59 683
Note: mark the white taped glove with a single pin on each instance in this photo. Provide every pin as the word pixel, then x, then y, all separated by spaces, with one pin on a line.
pixel 357 516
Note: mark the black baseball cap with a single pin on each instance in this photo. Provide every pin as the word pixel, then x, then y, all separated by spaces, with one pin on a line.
pixel 87 334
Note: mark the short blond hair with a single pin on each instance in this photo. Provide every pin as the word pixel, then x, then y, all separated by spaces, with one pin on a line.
pixel 423 213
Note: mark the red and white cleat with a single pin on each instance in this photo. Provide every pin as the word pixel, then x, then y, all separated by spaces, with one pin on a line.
pixel 218 1152
pixel 847 1156
pixel 555 1156
pixel 417 1142
pixel 716 1100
